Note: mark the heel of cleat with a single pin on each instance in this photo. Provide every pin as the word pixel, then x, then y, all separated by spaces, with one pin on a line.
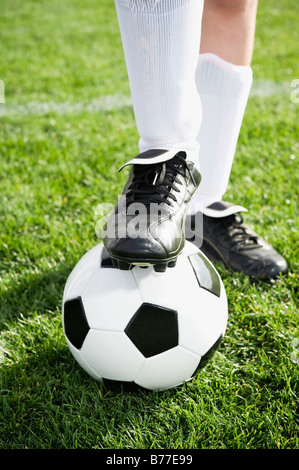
pixel 122 265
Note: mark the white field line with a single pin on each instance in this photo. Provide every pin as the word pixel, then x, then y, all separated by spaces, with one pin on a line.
pixel 36 108
pixel 270 88
pixel 262 88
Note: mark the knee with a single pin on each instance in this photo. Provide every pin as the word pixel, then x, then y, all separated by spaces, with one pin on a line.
pixel 231 6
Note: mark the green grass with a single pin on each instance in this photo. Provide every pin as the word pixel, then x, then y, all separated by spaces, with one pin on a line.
pixel 55 168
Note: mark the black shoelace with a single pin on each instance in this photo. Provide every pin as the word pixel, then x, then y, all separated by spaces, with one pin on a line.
pixel 238 232
pixel 153 183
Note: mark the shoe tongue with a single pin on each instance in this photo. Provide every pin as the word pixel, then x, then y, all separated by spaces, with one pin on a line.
pixel 222 209
pixel 153 156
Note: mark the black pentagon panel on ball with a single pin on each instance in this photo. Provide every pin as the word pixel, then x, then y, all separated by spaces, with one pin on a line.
pixel 206 275
pixel 75 322
pixel 153 329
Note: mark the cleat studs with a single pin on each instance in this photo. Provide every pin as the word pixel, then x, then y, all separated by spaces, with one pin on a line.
pixel 160 268
pixel 172 263
pixel 124 266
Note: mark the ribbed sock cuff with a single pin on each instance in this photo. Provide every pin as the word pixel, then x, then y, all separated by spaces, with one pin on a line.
pixel 217 76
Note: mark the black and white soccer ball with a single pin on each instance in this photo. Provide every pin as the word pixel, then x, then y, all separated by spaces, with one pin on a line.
pixel 151 330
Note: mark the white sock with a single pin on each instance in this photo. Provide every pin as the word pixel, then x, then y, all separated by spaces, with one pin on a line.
pixel 224 89
pixel 161 40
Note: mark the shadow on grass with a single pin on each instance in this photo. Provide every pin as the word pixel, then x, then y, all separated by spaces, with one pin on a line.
pixel 48 401
pixel 33 292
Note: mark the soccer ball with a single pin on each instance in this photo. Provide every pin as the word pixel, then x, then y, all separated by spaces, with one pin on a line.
pixel 143 329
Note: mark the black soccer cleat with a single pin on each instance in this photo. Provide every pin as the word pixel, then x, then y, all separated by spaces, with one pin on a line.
pixel 220 233
pixel 146 227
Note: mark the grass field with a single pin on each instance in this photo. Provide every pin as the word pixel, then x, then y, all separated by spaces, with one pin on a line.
pixel 66 127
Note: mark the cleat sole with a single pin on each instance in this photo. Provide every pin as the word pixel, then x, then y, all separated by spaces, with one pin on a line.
pixel 159 266
pixel 122 265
